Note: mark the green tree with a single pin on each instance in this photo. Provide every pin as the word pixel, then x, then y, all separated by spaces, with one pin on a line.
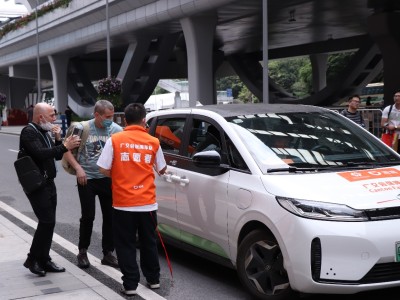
pixel 230 82
pixel 285 72
pixel 292 74
pixel 336 64
pixel 158 90
pixel 245 95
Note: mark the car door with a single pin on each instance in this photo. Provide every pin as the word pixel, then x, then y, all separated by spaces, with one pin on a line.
pixel 168 129
pixel 201 195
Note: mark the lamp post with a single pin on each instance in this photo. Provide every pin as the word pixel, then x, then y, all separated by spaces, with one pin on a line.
pixel 265 53
pixel 108 43
pixel 37 53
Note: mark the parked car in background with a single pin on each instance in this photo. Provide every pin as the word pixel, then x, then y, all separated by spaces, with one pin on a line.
pixel 295 198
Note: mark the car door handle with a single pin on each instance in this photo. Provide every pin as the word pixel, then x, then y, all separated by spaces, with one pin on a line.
pixel 175 178
pixel 184 180
pixel 167 177
pixel 181 180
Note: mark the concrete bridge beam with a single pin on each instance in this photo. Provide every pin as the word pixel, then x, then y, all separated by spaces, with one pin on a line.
pixel 30 72
pixel 383 28
pixel 59 67
pixel 199 36
pixel 319 64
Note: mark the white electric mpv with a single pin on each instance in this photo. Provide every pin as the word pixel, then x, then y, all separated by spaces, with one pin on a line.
pixel 296 198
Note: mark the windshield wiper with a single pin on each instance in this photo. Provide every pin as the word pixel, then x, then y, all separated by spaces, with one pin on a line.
pixel 369 164
pixel 295 169
pixel 347 165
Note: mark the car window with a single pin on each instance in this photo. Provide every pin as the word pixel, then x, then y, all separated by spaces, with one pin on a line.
pixel 169 132
pixel 308 139
pixel 235 159
pixel 203 136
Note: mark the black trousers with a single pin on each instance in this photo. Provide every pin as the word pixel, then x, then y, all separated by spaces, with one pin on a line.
pixel 44 203
pixel 100 187
pixel 126 225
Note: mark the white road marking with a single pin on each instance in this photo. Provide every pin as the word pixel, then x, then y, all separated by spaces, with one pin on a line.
pixel 115 274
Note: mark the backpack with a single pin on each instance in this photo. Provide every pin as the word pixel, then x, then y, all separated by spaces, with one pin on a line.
pixel 77 151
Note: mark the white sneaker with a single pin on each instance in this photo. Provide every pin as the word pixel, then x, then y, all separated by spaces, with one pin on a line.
pixel 128 292
pixel 153 285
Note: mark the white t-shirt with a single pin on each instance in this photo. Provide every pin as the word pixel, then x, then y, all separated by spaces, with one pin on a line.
pixel 394 117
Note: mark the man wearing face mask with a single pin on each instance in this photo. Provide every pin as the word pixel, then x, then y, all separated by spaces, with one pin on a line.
pixel 36 143
pixel 92 183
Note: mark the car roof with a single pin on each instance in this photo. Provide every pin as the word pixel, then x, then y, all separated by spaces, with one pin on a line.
pixel 230 110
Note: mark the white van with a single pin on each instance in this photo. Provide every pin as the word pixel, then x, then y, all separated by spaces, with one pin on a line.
pixel 296 198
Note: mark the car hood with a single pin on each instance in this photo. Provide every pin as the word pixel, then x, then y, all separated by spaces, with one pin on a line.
pixel 359 189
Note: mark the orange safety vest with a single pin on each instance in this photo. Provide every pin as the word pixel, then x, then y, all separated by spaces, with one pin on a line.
pixel 132 167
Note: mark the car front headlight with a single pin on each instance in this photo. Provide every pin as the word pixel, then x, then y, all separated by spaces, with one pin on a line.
pixel 322 210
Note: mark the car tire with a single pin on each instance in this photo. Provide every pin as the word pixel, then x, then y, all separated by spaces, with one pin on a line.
pixel 260 267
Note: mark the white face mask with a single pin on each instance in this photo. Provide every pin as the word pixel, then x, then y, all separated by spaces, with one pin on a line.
pixel 46 126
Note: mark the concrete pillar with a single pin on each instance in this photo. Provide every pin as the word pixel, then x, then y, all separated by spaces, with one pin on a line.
pixel 177 100
pixel 19 92
pixel 319 64
pixel 199 36
pixel 16 90
pixel 5 88
pixel 383 27
pixel 59 69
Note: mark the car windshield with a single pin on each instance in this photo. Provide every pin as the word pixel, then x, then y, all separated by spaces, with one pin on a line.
pixel 312 141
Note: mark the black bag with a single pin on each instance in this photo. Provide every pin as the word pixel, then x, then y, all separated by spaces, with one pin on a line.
pixel 29 174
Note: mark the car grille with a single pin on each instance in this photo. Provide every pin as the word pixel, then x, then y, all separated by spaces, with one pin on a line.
pixel 382 214
pixel 384 272
pixel 316 259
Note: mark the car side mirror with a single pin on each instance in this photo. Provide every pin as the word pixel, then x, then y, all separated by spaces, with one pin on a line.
pixel 209 159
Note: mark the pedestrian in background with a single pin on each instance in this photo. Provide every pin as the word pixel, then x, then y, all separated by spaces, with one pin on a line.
pixel 352 111
pixel 129 158
pixel 368 101
pixel 36 143
pixel 391 116
pixel 92 183
pixel 392 121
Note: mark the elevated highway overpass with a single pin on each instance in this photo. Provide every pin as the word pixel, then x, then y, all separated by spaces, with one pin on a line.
pixel 199 40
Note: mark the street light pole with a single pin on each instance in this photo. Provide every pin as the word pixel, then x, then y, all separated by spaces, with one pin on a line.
pixel 37 54
pixel 108 43
pixel 265 53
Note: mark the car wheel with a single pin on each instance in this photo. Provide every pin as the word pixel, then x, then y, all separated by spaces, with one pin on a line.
pixel 260 267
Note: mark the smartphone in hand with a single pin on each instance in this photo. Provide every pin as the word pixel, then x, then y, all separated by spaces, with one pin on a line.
pixel 77 132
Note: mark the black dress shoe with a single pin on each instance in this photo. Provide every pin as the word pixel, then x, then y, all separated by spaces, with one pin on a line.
pixel 50 266
pixel 34 267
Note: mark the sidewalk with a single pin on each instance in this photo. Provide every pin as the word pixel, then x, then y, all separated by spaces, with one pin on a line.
pixel 11 129
pixel 16 282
